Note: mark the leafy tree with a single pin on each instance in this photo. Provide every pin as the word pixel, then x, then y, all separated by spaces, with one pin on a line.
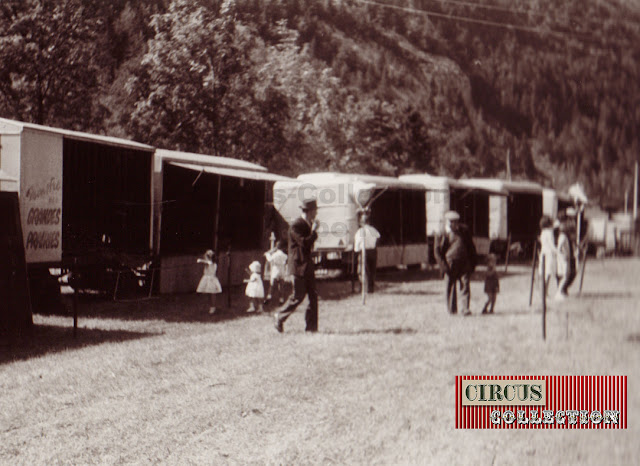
pixel 51 59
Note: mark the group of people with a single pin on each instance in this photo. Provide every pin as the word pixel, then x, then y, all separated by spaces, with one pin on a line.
pixel 557 260
pixel 297 267
pixel 454 249
pixel 457 257
pixel 275 257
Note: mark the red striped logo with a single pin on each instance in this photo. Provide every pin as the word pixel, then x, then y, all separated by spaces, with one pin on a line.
pixel 541 402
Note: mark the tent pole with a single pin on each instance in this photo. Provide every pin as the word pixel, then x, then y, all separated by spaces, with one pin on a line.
pixel 215 230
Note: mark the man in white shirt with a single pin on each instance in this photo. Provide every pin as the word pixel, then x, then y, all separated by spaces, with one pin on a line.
pixel 367 236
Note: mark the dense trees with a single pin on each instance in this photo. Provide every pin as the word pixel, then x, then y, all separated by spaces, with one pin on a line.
pixel 350 85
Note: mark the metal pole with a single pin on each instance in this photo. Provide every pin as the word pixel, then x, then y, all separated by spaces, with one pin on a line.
pixel 506 259
pixel 215 238
pixel 544 302
pixel 229 278
pixel 582 267
pixel 75 311
pixel 533 271
pixel 363 277
pixel 635 193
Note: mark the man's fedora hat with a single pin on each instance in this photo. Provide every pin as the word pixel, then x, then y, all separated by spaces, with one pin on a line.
pixel 309 204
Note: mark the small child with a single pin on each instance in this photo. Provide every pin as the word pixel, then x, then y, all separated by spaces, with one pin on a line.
pixel 491 285
pixel 209 283
pixel 277 260
pixel 255 288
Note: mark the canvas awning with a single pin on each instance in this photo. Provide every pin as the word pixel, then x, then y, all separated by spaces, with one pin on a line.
pixel 233 172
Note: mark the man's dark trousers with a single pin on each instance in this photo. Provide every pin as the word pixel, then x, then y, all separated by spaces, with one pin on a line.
pixel 303 286
pixel 371 262
pixel 465 293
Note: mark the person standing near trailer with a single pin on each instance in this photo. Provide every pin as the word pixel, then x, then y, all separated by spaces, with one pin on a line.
pixel 367 237
pixel 566 260
pixel 302 236
pixel 548 250
pixel 456 255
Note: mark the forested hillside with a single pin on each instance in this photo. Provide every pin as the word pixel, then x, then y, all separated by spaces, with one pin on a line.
pixel 388 87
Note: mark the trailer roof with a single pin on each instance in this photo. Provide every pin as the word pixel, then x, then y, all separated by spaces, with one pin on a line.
pixel 15 127
pixel 233 172
pixel 208 160
pixel 380 181
pixel 562 196
pixel 504 186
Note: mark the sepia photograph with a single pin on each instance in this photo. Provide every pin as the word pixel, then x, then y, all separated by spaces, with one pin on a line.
pixel 282 232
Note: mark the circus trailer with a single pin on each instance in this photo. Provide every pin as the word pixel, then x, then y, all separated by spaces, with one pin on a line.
pixel 211 202
pixel 472 203
pixel 514 218
pixel 555 202
pixel 15 303
pixel 397 212
pixel 85 202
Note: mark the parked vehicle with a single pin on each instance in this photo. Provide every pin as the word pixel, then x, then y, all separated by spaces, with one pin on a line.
pixel 397 212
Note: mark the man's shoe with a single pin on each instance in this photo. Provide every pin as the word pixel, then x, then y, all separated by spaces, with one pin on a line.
pixel 278 324
pixel 467 313
pixel 311 330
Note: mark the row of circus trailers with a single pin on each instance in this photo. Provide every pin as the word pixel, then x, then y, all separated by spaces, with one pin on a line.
pixel 409 213
pixel 106 207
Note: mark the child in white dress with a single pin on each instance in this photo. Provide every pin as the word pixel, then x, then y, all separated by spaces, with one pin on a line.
pixel 209 283
pixel 255 288
pixel 277 260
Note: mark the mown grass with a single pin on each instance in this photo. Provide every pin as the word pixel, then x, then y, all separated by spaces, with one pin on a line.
pixel 160 381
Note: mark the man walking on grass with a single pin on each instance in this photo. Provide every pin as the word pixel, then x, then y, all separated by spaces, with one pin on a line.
pixel 456 255
pixel 302 236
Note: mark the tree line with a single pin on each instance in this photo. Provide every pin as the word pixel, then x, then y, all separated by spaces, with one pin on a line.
pixel 383 87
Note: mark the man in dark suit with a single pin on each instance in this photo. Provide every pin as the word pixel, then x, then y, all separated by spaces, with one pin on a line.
pixel 302 236
pixel 456 255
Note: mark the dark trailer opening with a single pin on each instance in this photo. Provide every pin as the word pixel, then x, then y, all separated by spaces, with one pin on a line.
pixel 473 207
pixel 106 201
pixel 190 212
pixel 399 215
pixel 524 211
pixel 213 203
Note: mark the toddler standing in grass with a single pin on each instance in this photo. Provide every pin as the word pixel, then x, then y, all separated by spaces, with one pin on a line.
pixel 209 283
pixel 491 285
pixel 255 288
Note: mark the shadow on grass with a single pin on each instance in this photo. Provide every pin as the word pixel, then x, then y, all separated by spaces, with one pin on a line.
pixel 605 295
pixel 384 331
pixel 185 308
pixel 45 339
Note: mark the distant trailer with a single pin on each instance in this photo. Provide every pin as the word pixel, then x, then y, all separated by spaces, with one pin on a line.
pixel 85 200
pixel 398 213
pixel 555 202
pixel 210 202
pixel 514 217
pixel 472 203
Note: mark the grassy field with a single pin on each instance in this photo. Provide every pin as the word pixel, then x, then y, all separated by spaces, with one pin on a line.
pixel 161 381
